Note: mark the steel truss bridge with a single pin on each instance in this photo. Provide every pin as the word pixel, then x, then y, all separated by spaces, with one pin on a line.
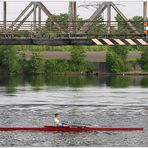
pixel 53 32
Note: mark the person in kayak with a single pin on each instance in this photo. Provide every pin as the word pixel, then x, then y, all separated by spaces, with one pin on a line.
pixel 57 121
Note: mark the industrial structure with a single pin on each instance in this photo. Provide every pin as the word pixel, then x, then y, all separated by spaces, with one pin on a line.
pixel 73 31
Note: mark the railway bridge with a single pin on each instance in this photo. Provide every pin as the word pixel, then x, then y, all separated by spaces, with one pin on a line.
pixel 73 31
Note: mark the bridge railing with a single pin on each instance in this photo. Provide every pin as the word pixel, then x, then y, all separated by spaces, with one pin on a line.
pixel 67 29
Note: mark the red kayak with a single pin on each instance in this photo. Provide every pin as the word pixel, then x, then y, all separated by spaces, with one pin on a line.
pixel 71 129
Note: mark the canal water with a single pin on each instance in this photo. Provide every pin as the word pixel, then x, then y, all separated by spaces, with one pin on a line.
pixel 105 101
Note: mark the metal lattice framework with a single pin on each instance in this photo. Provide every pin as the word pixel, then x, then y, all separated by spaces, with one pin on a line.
pixel 21 28
pixel 72 27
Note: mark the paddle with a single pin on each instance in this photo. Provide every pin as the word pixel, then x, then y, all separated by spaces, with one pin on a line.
pixel 76 123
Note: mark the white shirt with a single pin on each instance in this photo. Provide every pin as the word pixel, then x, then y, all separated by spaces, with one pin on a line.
pixel 57 121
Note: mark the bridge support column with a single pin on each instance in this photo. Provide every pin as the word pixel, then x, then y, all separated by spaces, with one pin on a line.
pixel 5 15
pixel 144 15
pixel 109 18
pixel 39 17
pixel 145 11
pixel 72 18
pixel 34 16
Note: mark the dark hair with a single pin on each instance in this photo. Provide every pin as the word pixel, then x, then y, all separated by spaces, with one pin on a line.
pixel 56 114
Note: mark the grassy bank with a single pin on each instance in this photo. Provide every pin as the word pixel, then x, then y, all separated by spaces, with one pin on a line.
pixel 57 48
pixel 69 48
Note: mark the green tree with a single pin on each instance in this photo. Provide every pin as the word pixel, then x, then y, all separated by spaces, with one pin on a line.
pixel 115 63
pixel 78 56
pixel 144 60
pixel 122 25
pixel 138 23
pixel 36 65
pixel 116 58
pixel 122 51
pixel 63 20
pixel 77 61
pixel 9 60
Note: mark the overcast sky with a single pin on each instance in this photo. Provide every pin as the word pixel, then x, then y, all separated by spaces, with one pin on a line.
pixel 14 8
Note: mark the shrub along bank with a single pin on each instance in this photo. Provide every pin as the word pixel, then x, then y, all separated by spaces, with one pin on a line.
pixel 144 60
pixel 116 59
pixel 11 63
pixel 117 62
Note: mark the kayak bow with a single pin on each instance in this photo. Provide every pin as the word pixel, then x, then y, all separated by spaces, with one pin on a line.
pixel 68 129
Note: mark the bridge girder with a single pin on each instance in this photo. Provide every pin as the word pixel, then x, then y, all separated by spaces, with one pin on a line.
pixel 15 26
pixel 61 42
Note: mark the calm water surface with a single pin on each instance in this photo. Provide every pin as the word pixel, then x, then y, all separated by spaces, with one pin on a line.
pixel 106 101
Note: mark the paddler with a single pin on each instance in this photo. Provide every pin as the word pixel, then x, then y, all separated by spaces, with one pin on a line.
pixel 57 120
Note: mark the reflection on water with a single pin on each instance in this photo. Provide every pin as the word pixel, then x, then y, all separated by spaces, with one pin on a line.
pixel 144 82
pixel 10 83
pixel 119 81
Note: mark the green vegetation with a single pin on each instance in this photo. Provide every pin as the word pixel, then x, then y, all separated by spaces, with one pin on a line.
pixel 12 63
pixel 123 28
pixel 144 60
pixel 115 63
pixel 116 59
pixel 98 28
pixel 144 82
pixel 36 48
pixel 36 65
pixel 121 51
pixel 56 65
pixel 9 60
pixel 77 63
pixel 50 30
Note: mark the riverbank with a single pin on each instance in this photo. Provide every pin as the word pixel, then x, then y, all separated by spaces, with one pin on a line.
pixel 96 58
pixel 97 73
pixel 75 62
